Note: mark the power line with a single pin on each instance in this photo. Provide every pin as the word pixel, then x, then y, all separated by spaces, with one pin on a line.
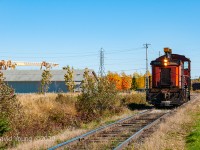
pixel 57 51
pixel 129 70
pixel 69 55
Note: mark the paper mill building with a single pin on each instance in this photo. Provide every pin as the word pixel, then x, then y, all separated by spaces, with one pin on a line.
pixel 29 81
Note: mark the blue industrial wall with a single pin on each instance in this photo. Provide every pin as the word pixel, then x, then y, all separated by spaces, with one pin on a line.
pixel 34 86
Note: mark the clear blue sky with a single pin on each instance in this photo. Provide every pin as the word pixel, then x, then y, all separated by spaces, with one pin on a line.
pixel 71 32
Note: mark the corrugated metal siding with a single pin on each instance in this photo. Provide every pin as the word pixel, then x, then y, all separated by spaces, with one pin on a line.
pixel 25 87
pixel 35 75
pixel 34 86
pixel 28 81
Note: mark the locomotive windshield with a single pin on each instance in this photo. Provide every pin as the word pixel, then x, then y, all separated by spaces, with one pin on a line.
pixel 165 77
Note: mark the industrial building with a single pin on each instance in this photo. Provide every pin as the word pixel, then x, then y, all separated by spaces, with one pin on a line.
pixel 29 81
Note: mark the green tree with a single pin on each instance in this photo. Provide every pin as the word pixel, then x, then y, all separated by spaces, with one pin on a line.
pixel 46 81
pixel 69 78
pixel 134 85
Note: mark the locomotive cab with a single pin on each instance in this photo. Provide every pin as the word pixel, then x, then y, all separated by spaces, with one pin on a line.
pixel 170 84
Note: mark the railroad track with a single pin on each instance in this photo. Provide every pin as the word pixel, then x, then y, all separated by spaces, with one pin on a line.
pixel 117 135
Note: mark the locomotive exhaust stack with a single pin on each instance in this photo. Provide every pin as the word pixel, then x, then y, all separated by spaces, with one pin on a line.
pixel 168 52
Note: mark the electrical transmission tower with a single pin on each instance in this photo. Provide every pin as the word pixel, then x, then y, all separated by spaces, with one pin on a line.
pixel 147 78
pixel 101 67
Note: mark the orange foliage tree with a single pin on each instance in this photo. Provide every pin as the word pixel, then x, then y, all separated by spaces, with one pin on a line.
pixel 122 82
pixel 116 79
pixel 126 81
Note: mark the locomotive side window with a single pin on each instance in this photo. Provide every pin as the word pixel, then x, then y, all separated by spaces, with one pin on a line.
pixel 186 65
pixel 165 76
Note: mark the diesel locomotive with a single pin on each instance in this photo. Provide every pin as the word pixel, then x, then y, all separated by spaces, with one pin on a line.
pixel 170 83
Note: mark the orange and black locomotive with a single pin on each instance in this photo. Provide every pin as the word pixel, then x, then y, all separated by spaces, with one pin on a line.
pixel 170 83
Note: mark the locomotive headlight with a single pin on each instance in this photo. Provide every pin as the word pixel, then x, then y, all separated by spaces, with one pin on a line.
pixel 165 62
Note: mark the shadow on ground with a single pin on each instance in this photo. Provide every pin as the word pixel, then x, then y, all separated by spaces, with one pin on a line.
pixel 134 106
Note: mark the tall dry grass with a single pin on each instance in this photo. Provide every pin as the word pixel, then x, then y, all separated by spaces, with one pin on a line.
pixel 55 117
pixel 40 106
pixel 171 134
pixel 46 113
pixel 41 116
pixel 46 142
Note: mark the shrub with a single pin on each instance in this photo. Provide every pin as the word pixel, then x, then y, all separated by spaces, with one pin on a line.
pixel 4 125
pixel 96 98
pixel 9 107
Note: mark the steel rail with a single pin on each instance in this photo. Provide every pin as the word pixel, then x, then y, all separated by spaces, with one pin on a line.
pixel 92 132
pixel 138 133
pixel 113 125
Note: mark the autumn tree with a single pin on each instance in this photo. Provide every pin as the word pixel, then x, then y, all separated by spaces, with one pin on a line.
pixel 141 81
pixel 126 81
pixel 46 81
pixel 69 78
pixel 116 79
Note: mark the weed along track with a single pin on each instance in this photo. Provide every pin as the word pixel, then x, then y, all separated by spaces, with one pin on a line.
pixel 116 135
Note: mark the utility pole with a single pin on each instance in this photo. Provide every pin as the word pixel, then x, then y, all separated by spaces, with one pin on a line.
pixel 101 67
pixel 159 53
pixel 147 79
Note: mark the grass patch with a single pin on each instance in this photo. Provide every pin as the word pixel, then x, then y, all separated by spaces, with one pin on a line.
pixel 193 139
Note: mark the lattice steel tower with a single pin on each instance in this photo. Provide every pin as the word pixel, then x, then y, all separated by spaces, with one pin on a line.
pixel 101 66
